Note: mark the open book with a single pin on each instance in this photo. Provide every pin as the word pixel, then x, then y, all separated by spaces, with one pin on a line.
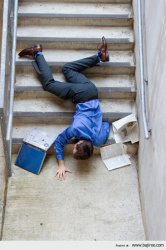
pixel 126 129
pixel 114 156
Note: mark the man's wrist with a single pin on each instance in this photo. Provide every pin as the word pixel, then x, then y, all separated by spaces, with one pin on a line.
pixel 61 163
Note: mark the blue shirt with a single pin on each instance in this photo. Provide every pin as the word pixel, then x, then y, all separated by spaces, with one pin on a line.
pixel 86 125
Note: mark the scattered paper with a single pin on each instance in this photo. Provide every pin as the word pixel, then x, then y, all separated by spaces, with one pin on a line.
pixel 120 137
pixel 114 156
pixel 127 122
pixel 126 129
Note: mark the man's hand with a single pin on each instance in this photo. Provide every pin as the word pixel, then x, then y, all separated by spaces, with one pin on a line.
pixel 62 171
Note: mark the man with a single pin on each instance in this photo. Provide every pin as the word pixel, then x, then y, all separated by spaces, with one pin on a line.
pixel 87 127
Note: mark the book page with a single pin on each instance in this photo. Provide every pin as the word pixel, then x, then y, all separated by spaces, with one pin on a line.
pixel 117 162
pixel 121 137
pixel 114 156
pixel 126 122
pixel 112 150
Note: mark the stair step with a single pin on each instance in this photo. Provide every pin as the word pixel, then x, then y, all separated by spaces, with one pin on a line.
pixel 61 20
pixel 51 117
pixel 104 92
pixel 74 43
pixel 55 104
pixel 17 142
pixel 80 1
pixel 58 8
pixel 53 109
pixel 121 62
pixel 108 86
pixel 20 130
pixel 26 76
pixel 74 14
pixel 54 57
pixel 73 33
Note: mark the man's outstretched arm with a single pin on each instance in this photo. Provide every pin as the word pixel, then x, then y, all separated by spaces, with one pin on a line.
pixel 59 144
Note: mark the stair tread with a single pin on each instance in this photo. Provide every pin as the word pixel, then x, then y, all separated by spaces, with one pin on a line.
pixel 63 56
pixel 74 8
pixel 20 129
pixel 55 104
pixel 84 32
pixel 82 1
pixel 28 78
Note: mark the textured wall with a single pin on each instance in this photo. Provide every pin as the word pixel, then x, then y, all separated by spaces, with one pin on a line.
pixel 152 152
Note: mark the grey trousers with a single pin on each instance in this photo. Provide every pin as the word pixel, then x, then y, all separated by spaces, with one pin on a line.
pixel 78 87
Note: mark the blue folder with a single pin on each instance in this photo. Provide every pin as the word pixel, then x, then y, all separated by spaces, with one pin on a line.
pixel 30 158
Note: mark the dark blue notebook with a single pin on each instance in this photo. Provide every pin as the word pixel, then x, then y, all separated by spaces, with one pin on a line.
pixel 30 158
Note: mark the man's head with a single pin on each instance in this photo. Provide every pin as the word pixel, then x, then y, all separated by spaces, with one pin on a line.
pixel 82 150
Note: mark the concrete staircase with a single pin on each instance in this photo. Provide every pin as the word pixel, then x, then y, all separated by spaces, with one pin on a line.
pixel 92 203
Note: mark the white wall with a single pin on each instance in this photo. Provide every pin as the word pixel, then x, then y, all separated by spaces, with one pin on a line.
pixel 152 152
pixel 0 23
pixel 2 158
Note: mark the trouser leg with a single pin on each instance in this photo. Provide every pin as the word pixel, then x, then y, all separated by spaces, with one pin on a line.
pixel 75 89
pixel 60 89
pixel 72 70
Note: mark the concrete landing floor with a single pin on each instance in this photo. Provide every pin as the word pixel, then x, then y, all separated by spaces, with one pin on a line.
pixel 91 204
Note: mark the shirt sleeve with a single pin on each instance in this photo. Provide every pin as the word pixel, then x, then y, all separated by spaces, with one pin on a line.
pixel 61 141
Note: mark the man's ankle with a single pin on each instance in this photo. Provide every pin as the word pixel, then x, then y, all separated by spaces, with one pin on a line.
pixel 37 53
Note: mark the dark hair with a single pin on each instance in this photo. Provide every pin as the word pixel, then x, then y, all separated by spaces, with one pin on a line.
pixel 84 150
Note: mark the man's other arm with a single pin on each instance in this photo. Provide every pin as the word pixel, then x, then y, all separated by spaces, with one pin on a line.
pixel 59 145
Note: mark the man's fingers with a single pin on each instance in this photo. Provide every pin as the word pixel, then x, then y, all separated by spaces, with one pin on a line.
pixel 68 170
pixel 61 174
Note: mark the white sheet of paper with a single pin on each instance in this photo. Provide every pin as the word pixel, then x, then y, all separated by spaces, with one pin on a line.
pixel 114 156
pixel 119 137
pixel 126 122
pixel 117 162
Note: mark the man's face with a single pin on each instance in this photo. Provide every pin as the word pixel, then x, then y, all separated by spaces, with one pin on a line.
pixel 75 146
